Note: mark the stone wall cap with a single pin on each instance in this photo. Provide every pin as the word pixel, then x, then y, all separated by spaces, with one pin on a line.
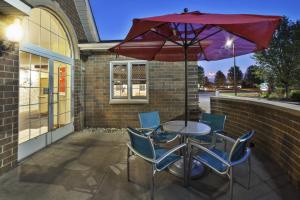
pixel 284 105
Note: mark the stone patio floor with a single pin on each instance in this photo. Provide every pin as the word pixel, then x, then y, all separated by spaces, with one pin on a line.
pixel 91 164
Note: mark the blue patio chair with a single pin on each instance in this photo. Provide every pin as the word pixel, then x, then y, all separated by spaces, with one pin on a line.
pixel 216 123
pixel 220 161
pixel 151 120
pixel 143 147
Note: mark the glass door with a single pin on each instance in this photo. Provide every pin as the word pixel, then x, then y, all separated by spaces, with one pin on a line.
pixel 44 102
pixel 61 95
pixel 33 99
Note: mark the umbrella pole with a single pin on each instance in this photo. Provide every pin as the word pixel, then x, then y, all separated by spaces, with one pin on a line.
pixel 185 75
pixel 186 85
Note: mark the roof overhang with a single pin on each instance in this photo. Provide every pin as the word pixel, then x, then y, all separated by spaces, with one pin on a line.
pixel 98 47
pixel 14 7
pixel 87 20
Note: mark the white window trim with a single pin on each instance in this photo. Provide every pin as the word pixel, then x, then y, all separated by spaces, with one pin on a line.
pixel 128 100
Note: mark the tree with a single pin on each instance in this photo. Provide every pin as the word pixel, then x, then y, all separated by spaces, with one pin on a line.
pixel 281 61
pixel 200 74
pixel 230 75
pixel 252 76
pixel 206 82
pixel 220 79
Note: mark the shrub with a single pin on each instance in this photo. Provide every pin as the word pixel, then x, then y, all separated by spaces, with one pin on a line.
pixel 295 96
pixel 274 95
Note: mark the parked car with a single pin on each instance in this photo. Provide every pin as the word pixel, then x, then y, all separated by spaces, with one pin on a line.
pixel 264 87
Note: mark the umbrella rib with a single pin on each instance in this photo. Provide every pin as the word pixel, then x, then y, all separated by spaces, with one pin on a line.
pixel 212 34
pixel 166 37
pixel 176 28
pixel 240 36
pixel 202 50
pixel 159 50
pixel 196 34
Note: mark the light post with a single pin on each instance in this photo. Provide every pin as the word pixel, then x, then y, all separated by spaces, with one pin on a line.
pixel 230 44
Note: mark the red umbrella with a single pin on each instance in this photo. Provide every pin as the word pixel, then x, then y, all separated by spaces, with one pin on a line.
pixel 193 36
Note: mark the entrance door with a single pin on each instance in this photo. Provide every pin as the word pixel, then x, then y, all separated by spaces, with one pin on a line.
pixel 44 102
pixel 60 101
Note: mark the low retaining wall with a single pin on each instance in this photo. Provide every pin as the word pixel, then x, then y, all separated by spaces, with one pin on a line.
pixel 277 127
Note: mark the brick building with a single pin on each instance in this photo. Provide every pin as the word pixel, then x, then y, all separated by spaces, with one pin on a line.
pixel 59 77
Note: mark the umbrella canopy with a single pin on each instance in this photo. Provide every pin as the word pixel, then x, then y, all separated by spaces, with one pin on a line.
pixel 194 36
pixel 162 38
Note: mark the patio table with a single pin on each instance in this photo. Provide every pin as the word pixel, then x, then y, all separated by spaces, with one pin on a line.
pixel 192 129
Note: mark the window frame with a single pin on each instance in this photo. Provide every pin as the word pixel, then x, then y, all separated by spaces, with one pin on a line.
pixel 129 99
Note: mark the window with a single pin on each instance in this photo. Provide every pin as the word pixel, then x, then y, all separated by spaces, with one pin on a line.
pixel 33 101
pixel 129 82
pixel 44 30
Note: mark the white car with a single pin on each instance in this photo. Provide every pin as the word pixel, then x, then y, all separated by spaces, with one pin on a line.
pixel 264 87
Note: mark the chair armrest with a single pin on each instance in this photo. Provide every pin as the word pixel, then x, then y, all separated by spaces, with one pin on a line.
pixel 211 153
pixel 243 159
pixel 147 131
pixel 140 155
pixel 170 152
pixel 229 139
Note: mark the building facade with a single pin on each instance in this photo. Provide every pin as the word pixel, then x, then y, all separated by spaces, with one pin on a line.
pixel 59 77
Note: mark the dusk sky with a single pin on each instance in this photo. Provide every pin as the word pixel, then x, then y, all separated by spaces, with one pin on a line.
pixel 114 17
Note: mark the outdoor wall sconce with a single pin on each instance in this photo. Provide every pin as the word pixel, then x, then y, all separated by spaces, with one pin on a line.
pixel 11 32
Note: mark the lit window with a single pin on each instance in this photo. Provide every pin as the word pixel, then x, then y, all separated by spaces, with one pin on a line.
pixel 129 82
pixel 44 30
pixel 33 101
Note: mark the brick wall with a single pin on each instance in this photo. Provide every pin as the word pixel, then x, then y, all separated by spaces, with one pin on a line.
pixel 9 73
pixel 277 129
pixel 68 6
pixel 78 96
pixel 166 93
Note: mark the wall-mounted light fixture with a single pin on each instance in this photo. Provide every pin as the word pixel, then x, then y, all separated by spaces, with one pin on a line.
pixel 11 33
pixel 14 31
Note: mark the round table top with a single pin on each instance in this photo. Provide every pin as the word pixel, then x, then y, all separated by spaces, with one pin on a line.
pixel 192 128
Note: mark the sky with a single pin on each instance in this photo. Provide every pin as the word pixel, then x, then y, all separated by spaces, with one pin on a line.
pixel 114 18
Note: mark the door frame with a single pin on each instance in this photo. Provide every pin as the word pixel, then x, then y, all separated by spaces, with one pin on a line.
pixel 33 145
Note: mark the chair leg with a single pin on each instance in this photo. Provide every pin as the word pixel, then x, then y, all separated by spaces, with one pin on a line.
pixel 231 183
pixel 249 172
pixel 128 165
pixel 152 183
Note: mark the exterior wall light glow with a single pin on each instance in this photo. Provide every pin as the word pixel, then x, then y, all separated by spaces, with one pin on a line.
pixel 14 31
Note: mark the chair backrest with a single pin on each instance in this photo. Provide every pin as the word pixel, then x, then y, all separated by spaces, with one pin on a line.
pixel 239 148
pixel 216 122
pixel 149 119
pixel 141 144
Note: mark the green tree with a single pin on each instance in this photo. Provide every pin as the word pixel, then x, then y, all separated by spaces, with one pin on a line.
pixel 220 79
pixel 230 75
pixel 206 82
pixel 252 76
pixel 200 74
pixel 281 61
